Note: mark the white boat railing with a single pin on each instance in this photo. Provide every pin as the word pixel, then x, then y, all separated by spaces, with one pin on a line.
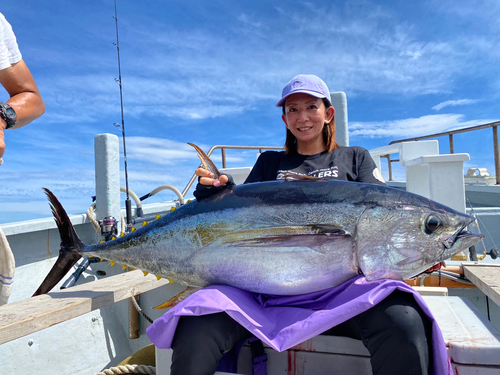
pixel 435 176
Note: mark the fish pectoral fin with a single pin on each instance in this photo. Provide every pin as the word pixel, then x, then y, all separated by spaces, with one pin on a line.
pixel 178 298
pixel 328 229
pixel 296 240
pixel 206 162
pixel 264 236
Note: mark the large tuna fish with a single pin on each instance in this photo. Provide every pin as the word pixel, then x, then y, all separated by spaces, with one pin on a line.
pixel 283 237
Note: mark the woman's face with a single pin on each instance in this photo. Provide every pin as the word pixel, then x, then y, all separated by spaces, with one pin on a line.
pixel 305 116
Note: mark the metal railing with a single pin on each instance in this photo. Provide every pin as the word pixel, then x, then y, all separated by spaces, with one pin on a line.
pixel 450 134
pixel 223 152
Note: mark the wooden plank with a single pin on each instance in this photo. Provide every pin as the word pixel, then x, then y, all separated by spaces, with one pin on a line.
pixel 486 278
pixel 24 317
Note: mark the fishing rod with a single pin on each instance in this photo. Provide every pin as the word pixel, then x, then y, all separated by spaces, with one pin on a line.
pixel 493 253
pixel 128 202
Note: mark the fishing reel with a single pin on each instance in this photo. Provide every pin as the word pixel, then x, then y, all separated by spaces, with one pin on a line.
pixel 108 227
pixel 493 253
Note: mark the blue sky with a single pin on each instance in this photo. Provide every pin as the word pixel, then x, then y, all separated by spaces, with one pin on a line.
pixel 210 72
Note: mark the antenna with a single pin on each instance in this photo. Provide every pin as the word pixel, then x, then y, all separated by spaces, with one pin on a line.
pixel 128 203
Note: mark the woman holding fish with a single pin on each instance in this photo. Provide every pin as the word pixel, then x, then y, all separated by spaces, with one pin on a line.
pixel 395 331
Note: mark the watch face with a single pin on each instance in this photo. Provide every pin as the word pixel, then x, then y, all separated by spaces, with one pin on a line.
pixel 10 112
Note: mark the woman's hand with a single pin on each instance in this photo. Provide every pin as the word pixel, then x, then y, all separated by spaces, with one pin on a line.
pixel 206 178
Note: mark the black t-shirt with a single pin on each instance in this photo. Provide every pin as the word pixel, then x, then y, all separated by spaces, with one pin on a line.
pixel 344 164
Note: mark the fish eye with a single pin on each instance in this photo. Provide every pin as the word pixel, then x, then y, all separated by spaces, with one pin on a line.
pixel 432 223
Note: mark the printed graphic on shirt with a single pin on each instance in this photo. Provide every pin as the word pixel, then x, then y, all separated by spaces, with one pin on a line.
pixel 332 172
pixel 378 175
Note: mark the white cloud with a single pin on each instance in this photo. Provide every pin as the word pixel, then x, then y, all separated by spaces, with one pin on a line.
pixel 453 103
pixel 199 72
pixel 412 127
pixel 370 52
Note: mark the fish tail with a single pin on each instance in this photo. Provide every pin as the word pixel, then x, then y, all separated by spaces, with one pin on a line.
pixel 206 162
pixel 70 246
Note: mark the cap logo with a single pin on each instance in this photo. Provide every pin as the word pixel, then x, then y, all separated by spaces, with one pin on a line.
pixel 296 84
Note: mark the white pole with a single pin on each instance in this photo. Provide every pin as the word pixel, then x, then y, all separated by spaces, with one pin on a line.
pixel 107 177
pixel 339 102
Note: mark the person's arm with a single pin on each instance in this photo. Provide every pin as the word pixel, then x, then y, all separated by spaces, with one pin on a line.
pixel 25 98
pixel 367 169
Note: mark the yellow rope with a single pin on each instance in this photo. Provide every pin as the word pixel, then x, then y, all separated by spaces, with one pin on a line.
pixel 129 369
pixel 7 267
pixel 124 226
pixel 90 215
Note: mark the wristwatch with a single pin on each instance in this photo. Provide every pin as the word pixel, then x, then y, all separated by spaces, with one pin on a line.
pixel 8 114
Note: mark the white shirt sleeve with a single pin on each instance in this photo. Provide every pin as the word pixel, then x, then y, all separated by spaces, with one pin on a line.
pixel 9 51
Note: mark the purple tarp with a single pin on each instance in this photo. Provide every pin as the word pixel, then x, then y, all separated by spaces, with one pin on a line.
pixel 283 322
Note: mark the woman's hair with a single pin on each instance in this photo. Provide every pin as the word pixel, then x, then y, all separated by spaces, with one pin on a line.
pixel 328 134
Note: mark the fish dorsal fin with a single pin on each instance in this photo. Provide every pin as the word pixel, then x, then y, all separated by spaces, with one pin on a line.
pixel 302 178
pixel 206 162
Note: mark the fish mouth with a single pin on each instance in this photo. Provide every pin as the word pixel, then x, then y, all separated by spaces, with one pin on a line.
pixel 462 237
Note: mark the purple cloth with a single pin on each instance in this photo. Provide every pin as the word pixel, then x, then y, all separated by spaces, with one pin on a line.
pixel 286 321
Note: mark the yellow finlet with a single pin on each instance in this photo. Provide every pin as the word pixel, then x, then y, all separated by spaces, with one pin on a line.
pixel 157 217
pixel 158 277
pixel 145 273
pixel 190 200
pixel 133 229
pixel 172 209
pixel 91 256
pixel 112 263
pixel 113 238
pixel 144 223
pixel 124 266
pixel 122 234
pixel 171 281
pixel 102 241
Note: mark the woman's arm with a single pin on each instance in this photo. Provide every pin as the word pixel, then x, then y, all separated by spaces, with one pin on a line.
pixel 367 169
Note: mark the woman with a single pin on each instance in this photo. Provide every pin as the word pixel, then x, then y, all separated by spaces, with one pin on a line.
pixel 395 331
pixel 310 147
